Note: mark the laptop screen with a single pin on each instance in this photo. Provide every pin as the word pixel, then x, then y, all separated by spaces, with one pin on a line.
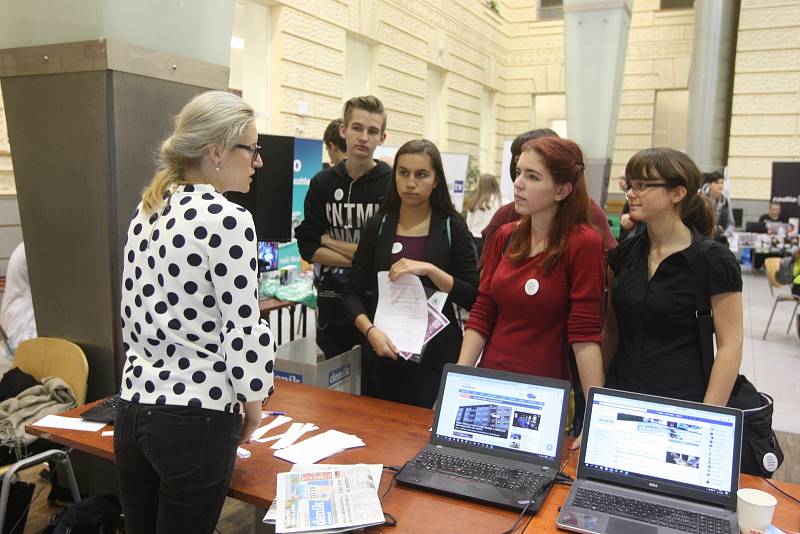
pixel 692 447
pixel 494 413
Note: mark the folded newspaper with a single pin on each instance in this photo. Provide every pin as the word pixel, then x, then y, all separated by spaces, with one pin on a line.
pixel 326 499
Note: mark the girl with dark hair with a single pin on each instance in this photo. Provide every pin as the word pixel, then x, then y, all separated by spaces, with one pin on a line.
pixel 651 340
pixel 541 287
pixel 417 231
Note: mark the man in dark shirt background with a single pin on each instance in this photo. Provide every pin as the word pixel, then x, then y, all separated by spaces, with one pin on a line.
pixel 774 214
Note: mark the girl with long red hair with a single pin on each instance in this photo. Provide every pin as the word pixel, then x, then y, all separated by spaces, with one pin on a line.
pixel 541 288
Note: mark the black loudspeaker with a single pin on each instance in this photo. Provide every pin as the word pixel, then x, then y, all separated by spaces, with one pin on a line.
pixel 269 200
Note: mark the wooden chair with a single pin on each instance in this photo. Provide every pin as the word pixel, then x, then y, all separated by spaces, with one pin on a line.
pixel 48 356
pixel 771 266
pixel 42 357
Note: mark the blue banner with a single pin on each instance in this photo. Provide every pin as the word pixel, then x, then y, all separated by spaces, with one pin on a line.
pixel 307 163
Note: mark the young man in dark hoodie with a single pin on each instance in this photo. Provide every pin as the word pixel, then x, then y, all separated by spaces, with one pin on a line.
pixel 339 202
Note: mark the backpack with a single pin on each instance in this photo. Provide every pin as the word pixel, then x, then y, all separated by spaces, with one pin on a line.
pixel 784 274
pixel 761 453
pixel 98 514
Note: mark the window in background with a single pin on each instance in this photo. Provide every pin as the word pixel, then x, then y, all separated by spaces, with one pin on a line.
pixel 250 58
pixel 550 10
pixel 487 133
pixel 359 59
pixel 670 119
pixel 435 113
pixel 550 111
pixel 677 4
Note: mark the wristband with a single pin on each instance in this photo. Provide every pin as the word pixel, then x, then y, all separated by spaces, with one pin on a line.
pixel 367 332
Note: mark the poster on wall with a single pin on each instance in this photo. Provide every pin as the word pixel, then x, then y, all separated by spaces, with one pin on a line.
pixel 786 187
pixel 455 171
pixel 307 162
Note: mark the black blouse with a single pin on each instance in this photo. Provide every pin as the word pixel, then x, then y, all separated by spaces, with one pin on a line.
pixel 658 350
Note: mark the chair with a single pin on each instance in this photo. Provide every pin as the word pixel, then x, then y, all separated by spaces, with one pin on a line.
pixel 771 266
pixel 48 356
pixel 42 357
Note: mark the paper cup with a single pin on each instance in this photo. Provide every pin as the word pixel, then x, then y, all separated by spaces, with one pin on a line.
pixel 754 508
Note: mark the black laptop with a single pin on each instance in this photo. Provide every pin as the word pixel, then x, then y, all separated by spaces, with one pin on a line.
pixel 103 412
pixel 496 438
pixel 653 465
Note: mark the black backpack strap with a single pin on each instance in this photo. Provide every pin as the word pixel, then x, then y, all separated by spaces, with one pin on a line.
pixel 705 319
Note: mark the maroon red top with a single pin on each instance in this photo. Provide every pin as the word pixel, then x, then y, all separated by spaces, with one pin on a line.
pixel 531 318
pixel 412 248
pixel 506 214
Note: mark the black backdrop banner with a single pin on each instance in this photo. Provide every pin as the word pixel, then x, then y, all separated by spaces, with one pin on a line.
pixel 270 197
pixel 786 187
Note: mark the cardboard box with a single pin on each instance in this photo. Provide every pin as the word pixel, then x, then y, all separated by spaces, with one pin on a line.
pixel 298 361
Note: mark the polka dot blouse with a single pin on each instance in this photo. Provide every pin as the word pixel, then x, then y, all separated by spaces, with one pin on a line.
pixel 190 319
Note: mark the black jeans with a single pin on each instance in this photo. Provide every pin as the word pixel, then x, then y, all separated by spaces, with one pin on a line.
pixel 174 465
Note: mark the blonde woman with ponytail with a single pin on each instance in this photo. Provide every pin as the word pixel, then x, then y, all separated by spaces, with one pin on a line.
pixel 651 342
pixel 198 359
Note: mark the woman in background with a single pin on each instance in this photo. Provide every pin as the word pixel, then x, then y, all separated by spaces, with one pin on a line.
pixel 482 207
pixel 417 231
pixel 198 358
pixel 651 340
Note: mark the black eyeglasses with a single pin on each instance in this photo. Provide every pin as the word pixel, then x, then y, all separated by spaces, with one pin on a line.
pixel 253 149
pixel 641 187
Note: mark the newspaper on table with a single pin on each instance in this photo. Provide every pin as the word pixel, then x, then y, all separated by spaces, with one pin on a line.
pixel 374 469
pixel 325 498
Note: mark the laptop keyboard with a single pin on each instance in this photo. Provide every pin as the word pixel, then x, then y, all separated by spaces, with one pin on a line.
pixel 654 513
pixel 496 475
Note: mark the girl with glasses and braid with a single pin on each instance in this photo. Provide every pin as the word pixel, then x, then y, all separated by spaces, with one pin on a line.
pixel 651 342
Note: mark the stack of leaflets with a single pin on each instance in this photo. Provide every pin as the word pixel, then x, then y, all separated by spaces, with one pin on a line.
pixel 326 499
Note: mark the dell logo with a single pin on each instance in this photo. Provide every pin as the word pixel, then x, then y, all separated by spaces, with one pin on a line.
pixel 652 484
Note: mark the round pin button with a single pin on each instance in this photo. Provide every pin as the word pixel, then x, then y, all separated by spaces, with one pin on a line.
pixel 338 194
pixel 532 286
pixel 397 247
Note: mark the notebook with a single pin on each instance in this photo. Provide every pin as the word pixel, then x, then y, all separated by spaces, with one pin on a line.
pixel 496 438
pixel 653 465
pixel 103 412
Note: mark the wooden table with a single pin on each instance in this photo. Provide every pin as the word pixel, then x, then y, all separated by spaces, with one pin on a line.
pixel 266 306
pixel 393 433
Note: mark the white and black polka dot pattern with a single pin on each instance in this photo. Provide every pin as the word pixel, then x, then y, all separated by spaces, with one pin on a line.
pixel 191 326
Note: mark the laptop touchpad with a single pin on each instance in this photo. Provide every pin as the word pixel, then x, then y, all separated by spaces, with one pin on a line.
pixel 620 526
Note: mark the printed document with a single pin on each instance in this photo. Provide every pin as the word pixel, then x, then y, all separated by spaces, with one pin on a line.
pixel 402 312
pixel 325 499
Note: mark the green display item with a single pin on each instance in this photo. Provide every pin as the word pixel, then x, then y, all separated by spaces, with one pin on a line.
pixel 301 290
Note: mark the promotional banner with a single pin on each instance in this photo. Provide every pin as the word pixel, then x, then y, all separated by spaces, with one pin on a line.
pixel 307 163
pixel 786 187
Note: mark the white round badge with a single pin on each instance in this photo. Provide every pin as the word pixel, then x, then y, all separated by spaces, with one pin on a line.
pixel 338 194
pixel 397 247
pixel 770 462
pixel 532 287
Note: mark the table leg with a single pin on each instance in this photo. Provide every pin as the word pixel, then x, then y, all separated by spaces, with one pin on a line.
pixel 291 321
pixel 304 312
pixel 280 327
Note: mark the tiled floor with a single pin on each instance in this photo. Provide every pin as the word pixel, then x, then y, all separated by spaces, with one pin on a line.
pixel 772 365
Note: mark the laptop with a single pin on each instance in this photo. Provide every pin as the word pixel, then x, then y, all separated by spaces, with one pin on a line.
pixel 496 438
pixel 653 465
pixel 103 412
